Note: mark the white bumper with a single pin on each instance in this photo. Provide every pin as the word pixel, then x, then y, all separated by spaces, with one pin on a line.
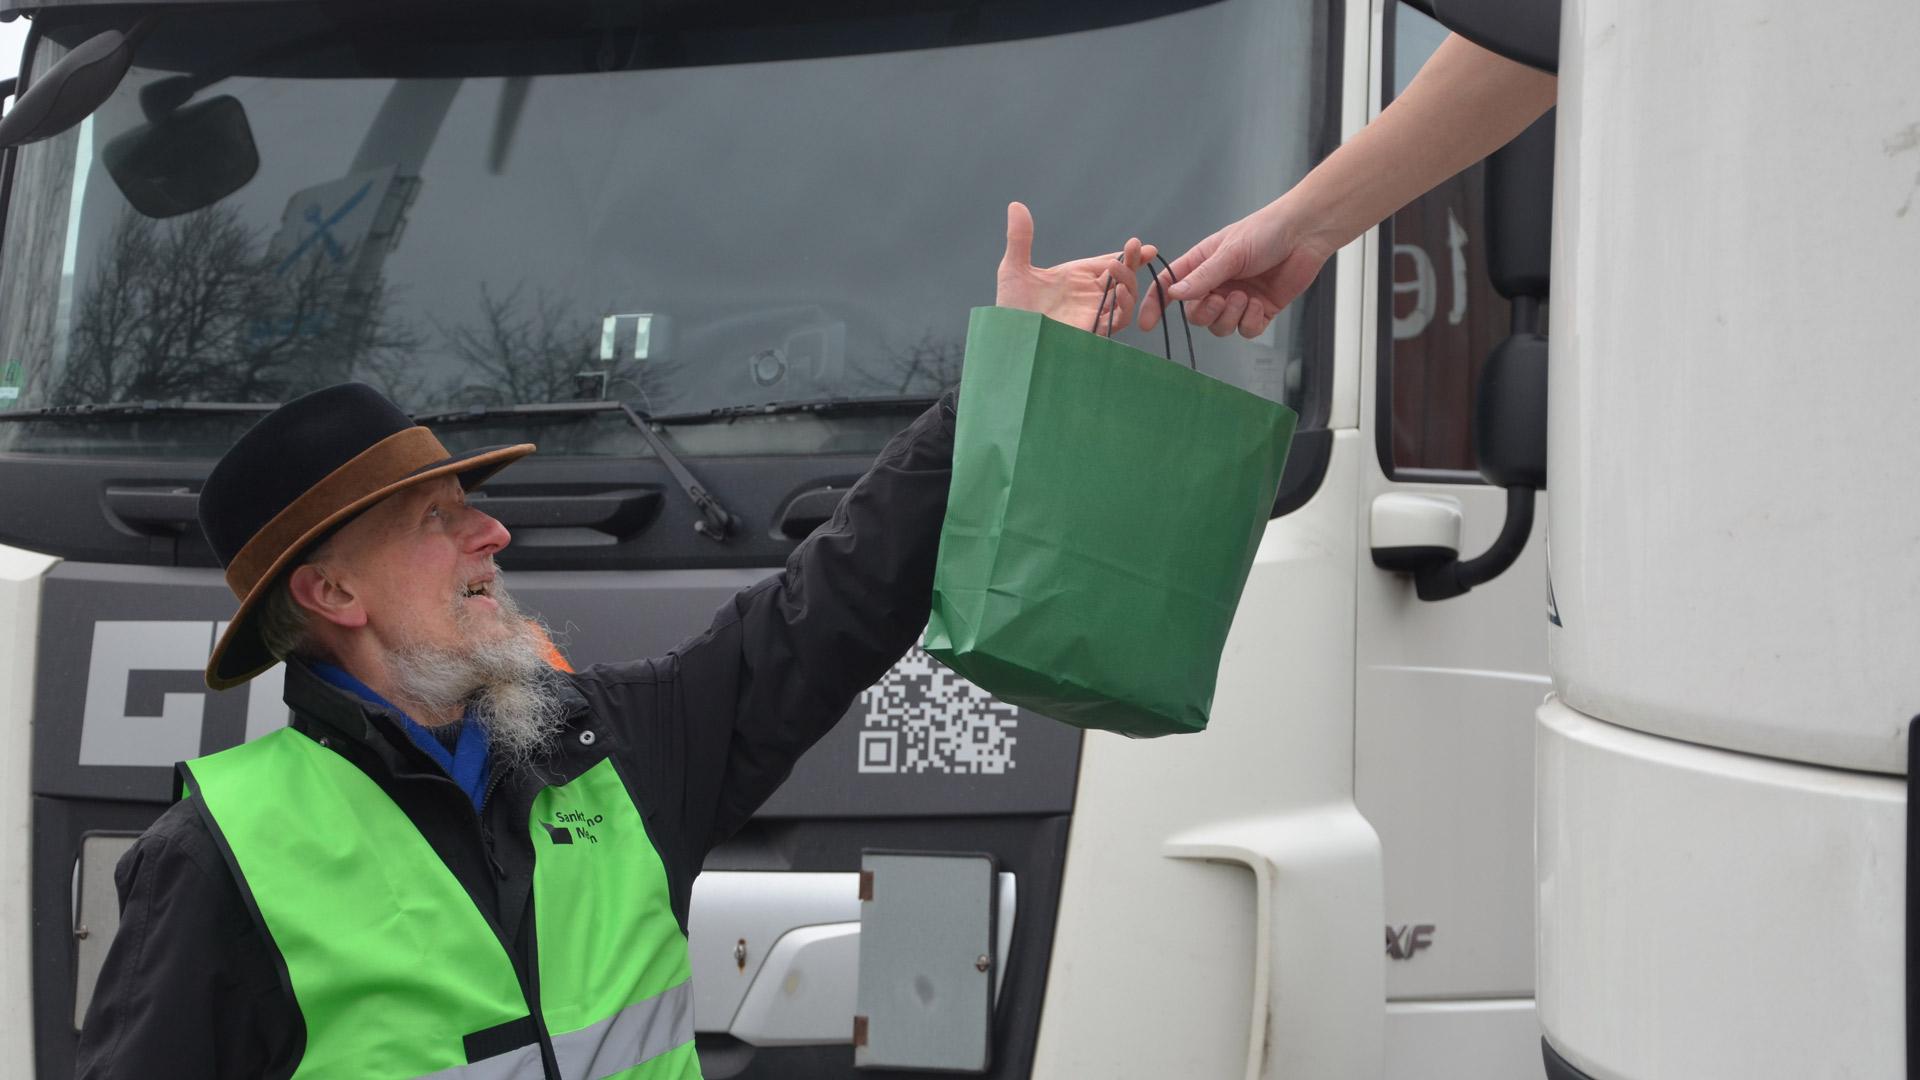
pixel 1709 914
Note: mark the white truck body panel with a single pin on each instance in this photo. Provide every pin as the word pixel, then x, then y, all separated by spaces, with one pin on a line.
pixel 1709 914
pixel 1368 763
pixel 1735 548
pixel 1463 1040
pixel 20 574
pixel 1735 551
pixel 1180 846
pixel 1443 699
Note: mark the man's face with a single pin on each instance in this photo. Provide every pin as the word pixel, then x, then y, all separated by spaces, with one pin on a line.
pixel 421 564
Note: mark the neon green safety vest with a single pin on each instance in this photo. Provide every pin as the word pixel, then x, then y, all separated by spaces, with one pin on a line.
pixel 398 974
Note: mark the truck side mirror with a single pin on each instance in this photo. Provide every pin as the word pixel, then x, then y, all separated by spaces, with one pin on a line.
pixel 1523 30
pixel 187 159
pixel 71 89
pixel 1520 219
pixel 1510 414
pixel 1510 405
pixel 1510 408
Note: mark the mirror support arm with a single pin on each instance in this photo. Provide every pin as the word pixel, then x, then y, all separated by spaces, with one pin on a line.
pixel 1453 577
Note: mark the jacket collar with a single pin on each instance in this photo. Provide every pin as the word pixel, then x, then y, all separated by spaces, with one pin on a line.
pixel 322 709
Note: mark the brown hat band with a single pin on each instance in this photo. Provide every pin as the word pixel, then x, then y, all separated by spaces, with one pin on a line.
pixel 346 490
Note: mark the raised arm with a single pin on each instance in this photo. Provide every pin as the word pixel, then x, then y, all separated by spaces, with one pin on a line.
pixel 1464 104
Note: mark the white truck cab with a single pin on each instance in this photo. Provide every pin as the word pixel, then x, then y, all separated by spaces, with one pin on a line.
pixel 1723 834
pixel 1385 850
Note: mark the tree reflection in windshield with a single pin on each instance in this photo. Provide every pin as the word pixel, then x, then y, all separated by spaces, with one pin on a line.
pixel 199 308
pixel 195 307
pixel 532 348
pixel 928 367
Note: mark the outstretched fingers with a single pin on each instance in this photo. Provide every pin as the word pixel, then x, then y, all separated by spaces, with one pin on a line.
pixel 1178 273
pixel 1118 313
pixel 1019 252
pixel 1212 263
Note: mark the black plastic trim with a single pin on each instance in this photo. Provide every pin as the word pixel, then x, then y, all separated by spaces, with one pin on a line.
pixel 1316 306
pixel 1383 359
pixel 598 513
pixel 792 31
pixel 1312 447
pixel 1383 274
pixel 1557 1067
pixel 1306 467
pixel 1413 558
pixel 1524 31
pixel 1913 902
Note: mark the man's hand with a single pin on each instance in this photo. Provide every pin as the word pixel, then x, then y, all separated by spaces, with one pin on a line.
pixel 1240 277
pixel 1071 291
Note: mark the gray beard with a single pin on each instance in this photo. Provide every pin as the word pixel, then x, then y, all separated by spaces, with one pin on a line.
pixel 505 685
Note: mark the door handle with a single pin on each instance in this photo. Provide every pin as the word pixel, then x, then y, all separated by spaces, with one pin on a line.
pixel 620 513
pixel 154 511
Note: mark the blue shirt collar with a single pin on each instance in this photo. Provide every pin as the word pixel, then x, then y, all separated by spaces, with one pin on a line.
pixel 468 763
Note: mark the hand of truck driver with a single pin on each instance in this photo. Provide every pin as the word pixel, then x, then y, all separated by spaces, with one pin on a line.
pixel 1464 104
pixel 1070 292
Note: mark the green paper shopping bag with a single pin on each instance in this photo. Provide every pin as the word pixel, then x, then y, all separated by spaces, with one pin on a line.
pixel 1103 515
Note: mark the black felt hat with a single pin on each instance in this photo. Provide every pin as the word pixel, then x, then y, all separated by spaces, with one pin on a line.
pixel 307 467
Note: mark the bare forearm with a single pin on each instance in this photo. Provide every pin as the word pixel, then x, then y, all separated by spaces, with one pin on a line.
pixel 1464 104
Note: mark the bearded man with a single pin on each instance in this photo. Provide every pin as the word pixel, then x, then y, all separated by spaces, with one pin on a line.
pixel 380 889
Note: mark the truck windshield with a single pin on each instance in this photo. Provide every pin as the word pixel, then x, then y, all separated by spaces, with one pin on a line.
pixel 577 201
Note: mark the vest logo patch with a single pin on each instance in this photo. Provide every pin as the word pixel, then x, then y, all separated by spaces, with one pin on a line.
pixel 574 825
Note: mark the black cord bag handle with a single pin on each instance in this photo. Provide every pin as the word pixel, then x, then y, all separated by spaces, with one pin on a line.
pixel 1165 334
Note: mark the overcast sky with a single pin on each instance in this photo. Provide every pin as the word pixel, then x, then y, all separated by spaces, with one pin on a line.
pixel 13 37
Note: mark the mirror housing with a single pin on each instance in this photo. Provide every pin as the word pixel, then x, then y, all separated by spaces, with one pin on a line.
pixel 186 160
pixel 1510 404
pixel 70 90
pixel 1520 213
pixel 1524 30
pixel 1510 414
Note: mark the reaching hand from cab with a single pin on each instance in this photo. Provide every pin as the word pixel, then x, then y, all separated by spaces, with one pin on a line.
pixel 1465 103
pixel 1241 276
pixel 1070 292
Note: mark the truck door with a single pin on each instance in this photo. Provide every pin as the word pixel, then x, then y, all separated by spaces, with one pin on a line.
pixel 1444 691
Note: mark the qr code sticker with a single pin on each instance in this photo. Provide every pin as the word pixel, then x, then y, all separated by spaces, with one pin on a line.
pixel 923 718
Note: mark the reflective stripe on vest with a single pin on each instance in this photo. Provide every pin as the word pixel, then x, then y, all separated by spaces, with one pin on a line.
pixel 391 964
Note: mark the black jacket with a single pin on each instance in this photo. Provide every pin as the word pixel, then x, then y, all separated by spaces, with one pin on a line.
pixel 191 986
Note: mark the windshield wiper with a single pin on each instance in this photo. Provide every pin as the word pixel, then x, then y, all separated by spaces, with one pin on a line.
pixel 100 410
pixel 830 406
pixel 715 522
